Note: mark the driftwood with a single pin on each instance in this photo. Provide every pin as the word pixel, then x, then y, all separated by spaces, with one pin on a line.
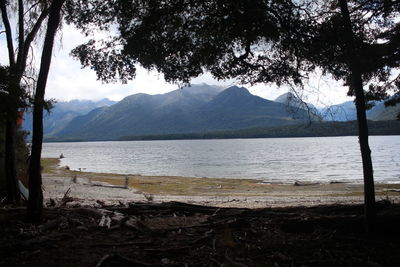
pixel 232 262
pixel 105 222
pixel 392 190
pixel 177 234
pixel 170 207
pixel 123 244
pixel 299 183
pixel 113 260
pixel 91 212
pixel 66 198
pixel 52 224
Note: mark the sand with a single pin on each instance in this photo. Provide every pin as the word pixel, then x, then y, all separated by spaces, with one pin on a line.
pixel 91 188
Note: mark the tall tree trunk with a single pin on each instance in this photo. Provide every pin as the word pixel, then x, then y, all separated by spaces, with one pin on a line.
pixel 10 162
pixel 354 64
pixel 35 204
pixel 10 140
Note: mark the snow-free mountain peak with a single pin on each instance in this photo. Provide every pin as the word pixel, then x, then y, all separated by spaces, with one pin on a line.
pixel 180 111
pixel 285 98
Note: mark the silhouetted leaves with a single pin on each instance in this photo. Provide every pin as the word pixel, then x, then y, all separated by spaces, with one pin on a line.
pixel 253 41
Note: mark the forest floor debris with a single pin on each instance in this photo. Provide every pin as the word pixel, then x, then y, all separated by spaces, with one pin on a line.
pixel 181 234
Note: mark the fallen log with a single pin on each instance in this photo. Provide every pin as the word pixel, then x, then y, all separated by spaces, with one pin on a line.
pixel 117 260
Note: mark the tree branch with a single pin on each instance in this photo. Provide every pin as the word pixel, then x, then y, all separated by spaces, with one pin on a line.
pixel 31 36
pixel 28 78
pixel 21 34
pixel 8 32
pixel 32 7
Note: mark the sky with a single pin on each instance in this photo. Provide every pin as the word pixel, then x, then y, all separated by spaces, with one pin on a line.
pixel 67 80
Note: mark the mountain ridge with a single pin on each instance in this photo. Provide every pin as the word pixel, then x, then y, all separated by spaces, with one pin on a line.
pixel 179 111
pixel 199 108
pixel 64 112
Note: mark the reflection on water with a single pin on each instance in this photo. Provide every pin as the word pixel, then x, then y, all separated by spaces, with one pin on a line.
pixel 321 159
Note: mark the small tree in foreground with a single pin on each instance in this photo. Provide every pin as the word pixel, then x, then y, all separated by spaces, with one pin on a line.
pixel 37 12
pixel 29 19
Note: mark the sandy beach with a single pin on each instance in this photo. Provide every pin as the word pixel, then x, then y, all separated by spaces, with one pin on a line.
pixel 91 188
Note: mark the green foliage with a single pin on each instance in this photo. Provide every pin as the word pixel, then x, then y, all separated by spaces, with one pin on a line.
pixel 395 100
pixel 11 97
pixel 105 57
pixel 181 38
pixel 257 41
pixel 6 106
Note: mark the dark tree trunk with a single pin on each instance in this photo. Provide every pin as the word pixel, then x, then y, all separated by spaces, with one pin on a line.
pixel 356 79
pixel 10 140
pixel 35 204
pixel 10 162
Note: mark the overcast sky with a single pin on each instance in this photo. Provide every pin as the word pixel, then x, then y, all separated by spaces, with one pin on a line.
pixel 67 80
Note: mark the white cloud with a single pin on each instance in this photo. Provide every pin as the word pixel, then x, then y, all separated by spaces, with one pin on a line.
pixel 324 91
pixel 67 80
pixel 3 50
pixel 269 91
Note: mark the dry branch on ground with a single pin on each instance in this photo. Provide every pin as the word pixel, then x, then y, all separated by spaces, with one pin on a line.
pixel 179 234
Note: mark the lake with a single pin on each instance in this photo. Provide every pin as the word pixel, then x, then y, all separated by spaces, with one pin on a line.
pixel 321 159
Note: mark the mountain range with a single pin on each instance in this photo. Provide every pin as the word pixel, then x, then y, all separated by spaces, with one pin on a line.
pixel 62 113
pixel 347 112
pixel 195 109
pixel 198 108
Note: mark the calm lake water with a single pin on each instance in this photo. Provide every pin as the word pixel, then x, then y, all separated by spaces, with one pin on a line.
pixel 322 159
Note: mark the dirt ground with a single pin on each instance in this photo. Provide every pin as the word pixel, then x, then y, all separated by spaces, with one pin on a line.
pixel 178 234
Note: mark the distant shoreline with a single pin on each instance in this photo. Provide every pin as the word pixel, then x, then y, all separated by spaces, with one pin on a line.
pixel 321 129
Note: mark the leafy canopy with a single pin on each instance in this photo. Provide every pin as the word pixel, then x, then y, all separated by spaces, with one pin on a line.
pixel 256 41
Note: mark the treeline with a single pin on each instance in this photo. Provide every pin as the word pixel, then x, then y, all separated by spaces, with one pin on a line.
pixel 305 130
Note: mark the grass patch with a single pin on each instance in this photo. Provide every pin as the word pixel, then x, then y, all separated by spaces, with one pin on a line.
pixel 49 165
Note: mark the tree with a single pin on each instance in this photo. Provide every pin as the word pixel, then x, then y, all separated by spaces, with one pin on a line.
pixel 17 70
pixel 29 24
pixel 35 203
pixel 357 42
pixel 354 65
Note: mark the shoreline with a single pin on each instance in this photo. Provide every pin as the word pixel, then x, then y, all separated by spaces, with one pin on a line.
pixel 89 187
